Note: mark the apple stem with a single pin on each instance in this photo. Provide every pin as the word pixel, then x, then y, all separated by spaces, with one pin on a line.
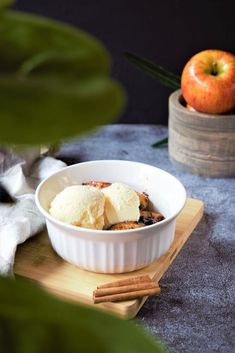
pixel 214 69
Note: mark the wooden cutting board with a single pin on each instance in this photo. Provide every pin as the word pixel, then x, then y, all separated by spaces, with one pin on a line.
pixel 35 259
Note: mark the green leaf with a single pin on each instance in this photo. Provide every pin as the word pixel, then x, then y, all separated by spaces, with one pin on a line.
pixel 32 321
pixel 43 110
pixel 69 51
pixel 157 72
pixel 54 81
pixel 5 3
pixel 160 142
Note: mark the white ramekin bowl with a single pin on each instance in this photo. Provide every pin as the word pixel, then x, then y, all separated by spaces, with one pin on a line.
pixel 114 251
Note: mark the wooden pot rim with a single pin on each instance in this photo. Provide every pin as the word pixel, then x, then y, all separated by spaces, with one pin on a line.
pixel 220 122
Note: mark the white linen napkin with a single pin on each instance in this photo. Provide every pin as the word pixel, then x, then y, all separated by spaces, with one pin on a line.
pixel 20 173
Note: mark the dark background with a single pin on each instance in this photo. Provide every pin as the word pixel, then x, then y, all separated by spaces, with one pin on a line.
pixel 167 32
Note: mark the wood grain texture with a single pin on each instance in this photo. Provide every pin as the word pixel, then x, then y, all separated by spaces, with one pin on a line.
pixel 36 260
pixel 203 144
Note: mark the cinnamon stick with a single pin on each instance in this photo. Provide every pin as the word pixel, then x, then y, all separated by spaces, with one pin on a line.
pixel 123 289
pixel 126 282
pixel 127 296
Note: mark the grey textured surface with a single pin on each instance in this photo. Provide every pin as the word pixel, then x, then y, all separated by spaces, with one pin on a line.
pixel 195 310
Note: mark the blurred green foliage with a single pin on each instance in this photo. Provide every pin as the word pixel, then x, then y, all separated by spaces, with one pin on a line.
pixel 54 81
pixel 32 321
pixel 5 3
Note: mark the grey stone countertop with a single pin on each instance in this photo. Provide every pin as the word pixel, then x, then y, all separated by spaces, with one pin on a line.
pixel 195 310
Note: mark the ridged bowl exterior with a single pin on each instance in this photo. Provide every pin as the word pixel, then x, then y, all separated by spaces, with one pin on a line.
pixel 114 255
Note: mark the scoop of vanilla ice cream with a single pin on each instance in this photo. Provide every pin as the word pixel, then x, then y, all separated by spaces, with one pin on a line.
pixel 121 204
pixel 80 205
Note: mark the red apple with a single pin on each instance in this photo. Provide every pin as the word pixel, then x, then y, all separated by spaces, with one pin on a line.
pixel 208 82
